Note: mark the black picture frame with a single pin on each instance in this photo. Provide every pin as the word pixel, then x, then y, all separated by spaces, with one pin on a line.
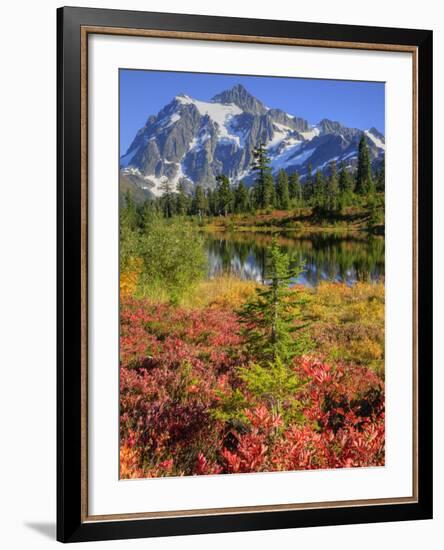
pixel 71 525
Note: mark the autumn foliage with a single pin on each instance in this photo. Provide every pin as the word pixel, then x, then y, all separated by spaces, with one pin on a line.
pixel 221 375
pixel 194 400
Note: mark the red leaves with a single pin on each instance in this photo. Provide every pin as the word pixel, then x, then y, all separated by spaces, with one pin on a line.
pixel 175 366
pixel 316 370
pixel 157 334
pixel 204 467
pixel 233 461
pixel 262 420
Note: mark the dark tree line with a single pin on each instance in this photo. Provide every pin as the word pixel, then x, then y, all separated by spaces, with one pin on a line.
pixel 325 193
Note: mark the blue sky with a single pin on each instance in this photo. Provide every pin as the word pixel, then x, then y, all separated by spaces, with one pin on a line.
pixel 354 104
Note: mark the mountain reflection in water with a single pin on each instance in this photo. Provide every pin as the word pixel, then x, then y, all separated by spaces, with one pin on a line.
pixel 327 257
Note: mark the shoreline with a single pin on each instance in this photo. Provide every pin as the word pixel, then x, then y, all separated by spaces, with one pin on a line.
pixel 378 231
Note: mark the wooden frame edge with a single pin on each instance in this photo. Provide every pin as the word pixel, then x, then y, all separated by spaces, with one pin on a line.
pixel 86 30
pixel 415 279
pixel 252 39
pixel 84 270
pixel 251 509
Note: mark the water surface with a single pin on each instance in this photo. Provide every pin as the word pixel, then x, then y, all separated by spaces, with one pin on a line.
pixel 327 257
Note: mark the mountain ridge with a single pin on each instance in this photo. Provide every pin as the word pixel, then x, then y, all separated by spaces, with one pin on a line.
pixel 191 141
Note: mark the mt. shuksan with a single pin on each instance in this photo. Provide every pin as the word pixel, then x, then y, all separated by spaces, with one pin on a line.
pixel 192 141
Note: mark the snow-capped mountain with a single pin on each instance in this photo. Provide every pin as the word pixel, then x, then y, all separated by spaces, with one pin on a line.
pixel 193 141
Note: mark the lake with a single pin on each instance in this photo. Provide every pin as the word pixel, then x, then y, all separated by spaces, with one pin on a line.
pixel 327 257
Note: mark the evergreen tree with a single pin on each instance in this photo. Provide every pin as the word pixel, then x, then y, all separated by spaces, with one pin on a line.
pixel 345 180
pixel 224 195
pixel 212 202
pixel 199 203
pixel 241 202
pixel 282 192
pixel 269 317
pixel 308 184
pixel 252 199
pixel 295 188
pixel 345 186
pixel 332 192
pixel 182 201
pixel 276 384
pixel 151 210
pixel 264 188
pixel 168 199
pixel 319 192
pixel 269 192
pixel 364 182
pixel 380 179
pixel 128 212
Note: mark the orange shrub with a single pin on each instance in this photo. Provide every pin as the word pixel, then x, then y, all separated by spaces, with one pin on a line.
pixel 129 279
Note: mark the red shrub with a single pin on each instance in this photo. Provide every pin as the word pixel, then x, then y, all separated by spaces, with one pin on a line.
pixel 176 363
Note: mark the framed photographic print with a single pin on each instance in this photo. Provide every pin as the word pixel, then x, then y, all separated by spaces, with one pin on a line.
pixel 245 274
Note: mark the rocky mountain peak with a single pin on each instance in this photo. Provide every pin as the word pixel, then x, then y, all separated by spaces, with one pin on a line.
pixel 376 133
pixel 191 142
pixel 241 97
pixel 328 126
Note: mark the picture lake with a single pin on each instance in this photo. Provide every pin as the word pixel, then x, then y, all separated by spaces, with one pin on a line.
pixel 326 257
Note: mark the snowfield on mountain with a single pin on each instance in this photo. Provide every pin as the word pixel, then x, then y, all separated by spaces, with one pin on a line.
pixel 191 142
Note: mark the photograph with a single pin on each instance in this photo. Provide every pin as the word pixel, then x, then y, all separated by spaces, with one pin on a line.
pixel 252 274
pixel 244 273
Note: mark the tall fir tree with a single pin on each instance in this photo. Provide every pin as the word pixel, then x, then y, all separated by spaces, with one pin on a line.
pixel 264 187
pixel 168 199
pixel 212 203
pixel 182 201
pixel 345 179
pixel 295 188
pixel 364 182
pixel 224 195
pixel 269 192
pixel 282 192
pixel 269 316
pixel 199 203
pixel 308 184
pixel 241 201
pixel 319 192
pixel 332 191
pixel 380 179
pixel 346 185
pixel 252 199
pixel 128 212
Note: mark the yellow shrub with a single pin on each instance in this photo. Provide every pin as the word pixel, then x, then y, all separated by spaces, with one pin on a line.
pixel 129 279
pixel 347 322
pixel 129 462
pixel 223 291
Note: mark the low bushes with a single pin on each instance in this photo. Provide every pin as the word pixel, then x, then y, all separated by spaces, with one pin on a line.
pixel 195 401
